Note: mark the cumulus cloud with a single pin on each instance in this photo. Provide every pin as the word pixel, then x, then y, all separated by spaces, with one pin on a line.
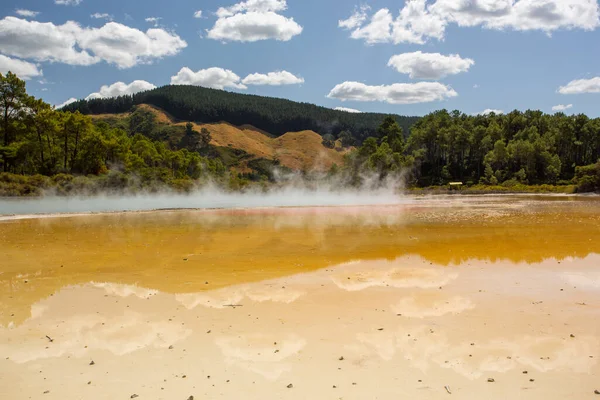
pixel 216 78
pixel 562 107
pixel 415 24
pixel 126 47
pixel 75 45
pixel 580 86
pixel 398 93
pixel 254 20
pixel 420 65
pixel 420 21
pixel 356 19
pixel 68 2
pixel 489 111
pixel 102 16
pixel 120 89
pixel 66 103
pixel 23 69
pixel 198 14
pixel 521 15
pixel 377 30
pixel 273 78
pixel 350 110
pixel 27 13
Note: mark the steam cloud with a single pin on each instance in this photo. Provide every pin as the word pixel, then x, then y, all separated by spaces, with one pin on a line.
pixel 204 198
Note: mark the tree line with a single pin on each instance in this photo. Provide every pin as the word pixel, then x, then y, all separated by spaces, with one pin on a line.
pixel 526 148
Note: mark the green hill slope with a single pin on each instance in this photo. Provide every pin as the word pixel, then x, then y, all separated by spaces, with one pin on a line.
pixel 274 115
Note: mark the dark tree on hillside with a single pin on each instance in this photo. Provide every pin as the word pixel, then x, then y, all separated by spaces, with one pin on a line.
pixel 346 138
pixel 205 138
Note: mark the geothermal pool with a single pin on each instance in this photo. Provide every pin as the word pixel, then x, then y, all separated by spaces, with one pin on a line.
pixel 474 297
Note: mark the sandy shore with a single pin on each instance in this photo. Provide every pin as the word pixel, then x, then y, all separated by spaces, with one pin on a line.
pixel 383 329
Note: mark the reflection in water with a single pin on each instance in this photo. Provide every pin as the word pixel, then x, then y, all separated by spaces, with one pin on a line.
pixel 228 297
pixel 215 300
pixel 434 305
pixel 263 354
pixel 496 355
pixel 125 290
pixel 588 280
pixel 320 329
pixel 374 273
pixel 80 320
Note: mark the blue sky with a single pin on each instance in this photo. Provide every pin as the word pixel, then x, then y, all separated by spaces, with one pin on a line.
pixel 509 54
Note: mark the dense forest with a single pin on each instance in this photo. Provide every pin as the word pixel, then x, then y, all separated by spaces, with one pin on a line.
pixel 44 150
pixel 530 147
pixel 519 148
pixel 276 116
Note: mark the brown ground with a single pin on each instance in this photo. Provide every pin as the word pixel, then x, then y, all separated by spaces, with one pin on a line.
pixel 296 150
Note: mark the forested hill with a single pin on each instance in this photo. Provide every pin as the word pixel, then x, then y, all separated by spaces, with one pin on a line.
pixel 274 115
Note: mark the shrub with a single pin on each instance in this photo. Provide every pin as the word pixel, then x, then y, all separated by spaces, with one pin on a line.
pixel 587 178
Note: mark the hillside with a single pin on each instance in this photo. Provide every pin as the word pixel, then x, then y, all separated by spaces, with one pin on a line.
pixel 273 115
pixel 295 150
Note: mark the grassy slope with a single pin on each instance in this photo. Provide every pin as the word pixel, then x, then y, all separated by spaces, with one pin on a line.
pixel 295 150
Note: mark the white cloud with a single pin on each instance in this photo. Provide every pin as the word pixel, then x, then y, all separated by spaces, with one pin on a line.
pixel 580 86
pixel 273 78
pixel 66 103
pixel 356 19
pixel 254 20
pixel 120 89
pixel 489 111
pixel 562 107
pixel 23 69
pixel 476 86
pixel 398 93
pixel 350 110
pixel 43 41
pixel 126 47
pixel 253 5
pixel 420 65
pixel 102 16
pixel 216 78
pixel 153 20
pixel 198 14
pixel 376 31
pixel 416 24
pixel 253 26
pixel 68 2
pixel 521 15
pixel 419 20
pixel 27 13
pixel 71 44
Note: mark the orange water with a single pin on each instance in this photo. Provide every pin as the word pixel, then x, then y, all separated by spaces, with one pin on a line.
pixel 192 251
